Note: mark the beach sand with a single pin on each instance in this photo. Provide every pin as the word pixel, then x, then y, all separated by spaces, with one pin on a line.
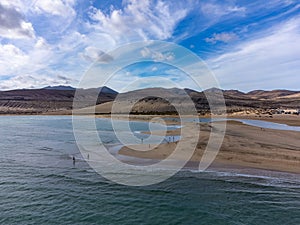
pixel 243 146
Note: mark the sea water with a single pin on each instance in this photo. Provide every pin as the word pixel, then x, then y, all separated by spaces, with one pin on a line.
pixel 40 185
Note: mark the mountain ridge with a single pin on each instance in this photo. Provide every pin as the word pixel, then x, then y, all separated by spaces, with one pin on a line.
pixel 59 98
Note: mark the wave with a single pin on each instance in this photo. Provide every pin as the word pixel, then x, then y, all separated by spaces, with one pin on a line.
pixel 254 176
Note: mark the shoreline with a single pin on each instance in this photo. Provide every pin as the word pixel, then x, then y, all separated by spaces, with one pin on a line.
pixel 291 120
pixel 215 167
pixel 243 146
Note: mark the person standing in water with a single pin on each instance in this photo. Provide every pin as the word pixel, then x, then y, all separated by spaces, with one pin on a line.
pixel 73 160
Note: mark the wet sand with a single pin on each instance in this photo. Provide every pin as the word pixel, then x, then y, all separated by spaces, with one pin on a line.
pixel 243 146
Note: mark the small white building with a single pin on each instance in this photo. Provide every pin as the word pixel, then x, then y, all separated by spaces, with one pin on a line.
pixel 288 111
pixel 291 111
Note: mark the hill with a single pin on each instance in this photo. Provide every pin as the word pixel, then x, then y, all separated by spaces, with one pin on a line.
pixel 261 94
pixel 60 87
pixel 49 99
pixel 147 101
pixel 144 101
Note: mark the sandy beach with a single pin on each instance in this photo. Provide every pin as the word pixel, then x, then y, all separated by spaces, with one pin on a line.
pixel 243 145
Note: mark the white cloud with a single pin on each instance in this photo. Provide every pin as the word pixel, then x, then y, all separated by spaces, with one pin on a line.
pixel 235 9
pixel 266 62
pixel 72 41
pixel 40 55
pixel 63 8
pixel 13 24
pixel 214 10
pixel 154 68
pixel 53 44
pixel 56 15
pixel 93 54
pixel 41 60
pixel 20 5
pixel 17 61
pixel 156 55
pixel 33 81
pixel 12 57
pixel 139 20
pixel 222 37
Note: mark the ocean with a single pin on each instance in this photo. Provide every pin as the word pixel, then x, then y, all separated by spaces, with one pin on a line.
pixel 40 185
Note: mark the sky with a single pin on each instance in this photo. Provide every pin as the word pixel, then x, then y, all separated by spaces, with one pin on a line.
pixel 247 45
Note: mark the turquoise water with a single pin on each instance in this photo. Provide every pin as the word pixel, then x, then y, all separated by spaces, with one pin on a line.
pixel 40 185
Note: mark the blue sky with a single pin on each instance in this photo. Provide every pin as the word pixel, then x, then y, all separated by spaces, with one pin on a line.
pixel 247 44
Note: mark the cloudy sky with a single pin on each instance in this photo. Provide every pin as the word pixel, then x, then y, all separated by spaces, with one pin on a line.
pixel 246 44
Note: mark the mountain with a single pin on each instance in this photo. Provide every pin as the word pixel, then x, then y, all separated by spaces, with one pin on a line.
pixel 108 90
pixel 53 99
pixel 104 89
pixel 153 100
pixel 261 94
pixel 60 88
pixel 147 101
pixel 235 93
